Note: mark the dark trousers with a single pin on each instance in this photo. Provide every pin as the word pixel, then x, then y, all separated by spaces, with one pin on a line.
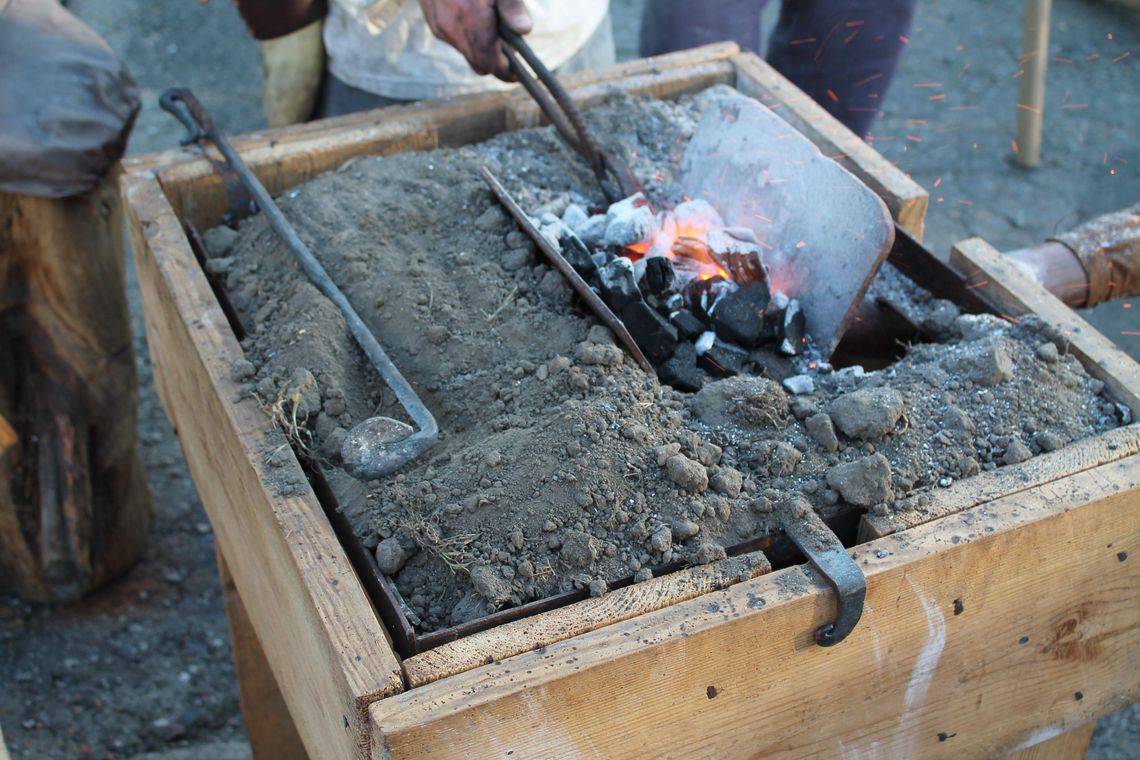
pixel 843 53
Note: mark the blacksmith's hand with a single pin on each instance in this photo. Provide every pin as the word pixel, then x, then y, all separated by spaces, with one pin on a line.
pixel 470 26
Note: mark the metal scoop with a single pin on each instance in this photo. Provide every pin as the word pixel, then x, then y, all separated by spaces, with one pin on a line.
pixel 378 446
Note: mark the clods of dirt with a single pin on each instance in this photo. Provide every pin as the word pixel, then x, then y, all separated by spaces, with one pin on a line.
pixel 561 465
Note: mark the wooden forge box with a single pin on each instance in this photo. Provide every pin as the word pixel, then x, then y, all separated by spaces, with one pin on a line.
pixel 1004 619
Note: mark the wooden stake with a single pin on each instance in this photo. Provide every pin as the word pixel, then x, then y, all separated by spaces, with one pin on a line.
pixel 1031 91
pixel 75 510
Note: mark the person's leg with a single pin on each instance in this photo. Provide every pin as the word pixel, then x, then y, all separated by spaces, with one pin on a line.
pixel 668 25
pixel 843 53
pixel 337 98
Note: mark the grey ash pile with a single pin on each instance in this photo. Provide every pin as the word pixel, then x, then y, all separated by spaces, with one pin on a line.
pixel 561 464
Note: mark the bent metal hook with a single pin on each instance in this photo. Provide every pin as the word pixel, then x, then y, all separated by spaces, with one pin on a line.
pixel 378 446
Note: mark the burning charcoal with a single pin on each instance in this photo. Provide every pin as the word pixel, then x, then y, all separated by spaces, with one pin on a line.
pixel 651 331
pixel 671 304
pixel 740 259
pixel 574 216
pixel 774 317
pixel 629 221
pixel 792 341
pixel 697 215
pixel 592 232
pixel 722 359
pixel 741 233
pixel 739 317
pixel 618 284
pixel 659 282
pixel 702 296
pixel 576 253
pixel 688 325
pixel 681 370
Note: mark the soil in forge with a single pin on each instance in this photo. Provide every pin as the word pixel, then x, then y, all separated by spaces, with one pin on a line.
pixel 561 464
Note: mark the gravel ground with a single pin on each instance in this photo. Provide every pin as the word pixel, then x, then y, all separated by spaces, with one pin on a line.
pixel 142 669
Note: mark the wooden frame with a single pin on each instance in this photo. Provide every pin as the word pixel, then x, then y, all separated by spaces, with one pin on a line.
pixel 686 664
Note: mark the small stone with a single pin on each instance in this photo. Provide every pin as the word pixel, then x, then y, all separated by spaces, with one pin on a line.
pixel 985 362
pixel 598 587
pixel 777 458
pixel 799 385
pixel 709 552
pixel 491 220
pixel 864 482
pixel 662 539
pixel 642 575
pixel 821 429
pixel 598 354
pixel 515 259
pixel 726 480
pixel 1047 352
pixel 490 585
pixel 241 370
pixel 867 414
pixel 664 452
pixel 392 555
pixel 708 454
pixel 578 548
pixel 687 474
pixel 1048 441
pixel 1017 452
pixel 601 335
pixel 684 529
pixel 303 394
pixel 802 408
pixel 220 241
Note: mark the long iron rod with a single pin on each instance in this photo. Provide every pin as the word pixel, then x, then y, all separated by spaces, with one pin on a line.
pixel 186 108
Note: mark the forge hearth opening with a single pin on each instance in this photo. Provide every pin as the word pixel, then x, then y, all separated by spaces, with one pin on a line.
pixel 694 293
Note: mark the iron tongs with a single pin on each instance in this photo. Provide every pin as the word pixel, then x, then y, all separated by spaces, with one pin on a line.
pixel 613 174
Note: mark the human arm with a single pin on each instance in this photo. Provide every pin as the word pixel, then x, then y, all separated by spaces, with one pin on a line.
pixel 471 27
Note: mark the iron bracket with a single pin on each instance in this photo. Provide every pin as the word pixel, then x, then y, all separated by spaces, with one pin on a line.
pixel 824 550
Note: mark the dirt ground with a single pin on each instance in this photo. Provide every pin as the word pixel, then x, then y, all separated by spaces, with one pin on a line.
pixel 143 666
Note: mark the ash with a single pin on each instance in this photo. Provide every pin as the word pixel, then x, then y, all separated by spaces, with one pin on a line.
pixel 561 464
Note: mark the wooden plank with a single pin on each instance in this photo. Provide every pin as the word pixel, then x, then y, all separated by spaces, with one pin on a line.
pixel 475 116
pixel 906 199
pixel 328 650
pixel 980 631
pixel 268 725
pixel 1001 283
pixel 589 614
pixel 523 112
pixel 1005 481
pixel 1071 745
pixel 197 192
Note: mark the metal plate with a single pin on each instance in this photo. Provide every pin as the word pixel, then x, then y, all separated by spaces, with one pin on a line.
pixel 824 233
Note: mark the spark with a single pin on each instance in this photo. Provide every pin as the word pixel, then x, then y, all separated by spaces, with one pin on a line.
pixel 1031 109
pixel 914 138
pixel 927 84
pixel 831 94
pixel 1122 56
pixel 939 96
pixel 938 182
pixel 981 284
pixel 1059 59
pixel 904 39
pixel 1130 332
pixel 871 78
pixel 803 41
pixel 1015 149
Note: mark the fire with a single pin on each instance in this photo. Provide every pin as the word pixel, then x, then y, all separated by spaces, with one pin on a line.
pixel 682 236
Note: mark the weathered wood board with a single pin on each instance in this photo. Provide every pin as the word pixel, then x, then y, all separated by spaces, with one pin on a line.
pixel 677 668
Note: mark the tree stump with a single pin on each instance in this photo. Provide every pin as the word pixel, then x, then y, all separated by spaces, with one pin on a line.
pixel 75 509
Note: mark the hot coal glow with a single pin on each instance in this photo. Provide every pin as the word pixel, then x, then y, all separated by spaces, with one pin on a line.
pixel 694 293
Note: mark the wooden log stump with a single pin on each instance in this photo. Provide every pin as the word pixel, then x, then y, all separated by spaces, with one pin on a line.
pixel 75 509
